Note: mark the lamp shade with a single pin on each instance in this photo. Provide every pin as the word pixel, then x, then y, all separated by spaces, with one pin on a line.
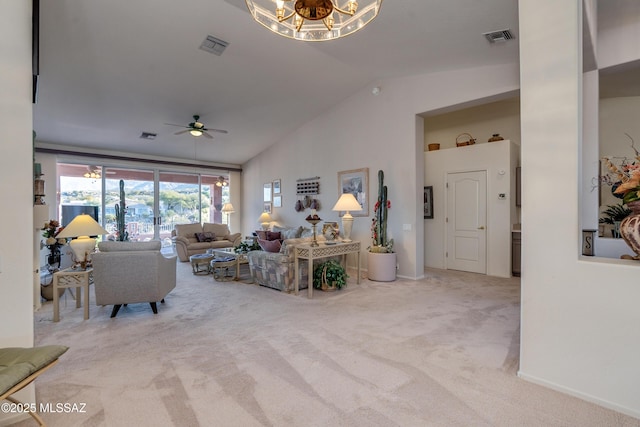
pixel 82 225
pixel 347 202
pixel 228 208
pixel 265 219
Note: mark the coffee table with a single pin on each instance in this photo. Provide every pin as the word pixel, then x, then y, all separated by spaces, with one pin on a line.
pixel 238 259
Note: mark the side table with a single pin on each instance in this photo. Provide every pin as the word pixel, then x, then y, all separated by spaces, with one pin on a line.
pixel 323 250
pixel 72 278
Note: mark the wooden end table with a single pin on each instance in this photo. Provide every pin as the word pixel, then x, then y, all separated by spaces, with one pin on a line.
pixel 72 278
pixel 323 250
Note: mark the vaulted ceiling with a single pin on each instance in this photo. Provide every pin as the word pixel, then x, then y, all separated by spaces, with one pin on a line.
pixel 110 70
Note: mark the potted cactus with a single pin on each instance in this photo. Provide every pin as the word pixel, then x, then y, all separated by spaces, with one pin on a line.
pixel 381 258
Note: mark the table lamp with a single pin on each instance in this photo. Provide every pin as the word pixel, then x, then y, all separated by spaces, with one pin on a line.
pixel 82 227
pixel 264 220
pixel 347 202
pixel 228 209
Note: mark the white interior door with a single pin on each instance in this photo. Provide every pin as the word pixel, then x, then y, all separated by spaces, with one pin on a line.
pixel 467 221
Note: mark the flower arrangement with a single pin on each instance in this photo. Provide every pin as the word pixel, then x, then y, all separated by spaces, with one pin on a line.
pixel 624 177
pixel 50 231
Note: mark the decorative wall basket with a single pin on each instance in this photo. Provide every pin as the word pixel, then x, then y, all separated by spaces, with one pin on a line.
pixel 433 147
pixel 460 140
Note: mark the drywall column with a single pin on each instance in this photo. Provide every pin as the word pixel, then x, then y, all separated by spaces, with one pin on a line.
pixel 579 317
pixel 16 185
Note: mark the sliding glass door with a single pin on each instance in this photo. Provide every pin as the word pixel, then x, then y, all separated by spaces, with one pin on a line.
pixel 139 197
pixel 180 201
pixel 155 200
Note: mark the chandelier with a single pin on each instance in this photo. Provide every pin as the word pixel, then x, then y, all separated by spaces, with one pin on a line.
pixel 314 20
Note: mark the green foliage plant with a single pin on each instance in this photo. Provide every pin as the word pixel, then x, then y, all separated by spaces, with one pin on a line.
pixel 336 275
pixel 121 211
pixel 245 247
pixel 381 243
pixel 614 213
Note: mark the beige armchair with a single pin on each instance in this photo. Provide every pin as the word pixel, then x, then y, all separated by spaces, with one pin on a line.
pixel 132 272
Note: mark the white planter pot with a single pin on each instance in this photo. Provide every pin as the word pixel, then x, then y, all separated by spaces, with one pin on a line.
pixel 381 266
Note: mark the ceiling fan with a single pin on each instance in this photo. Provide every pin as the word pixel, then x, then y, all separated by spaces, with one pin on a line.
pixel 196 128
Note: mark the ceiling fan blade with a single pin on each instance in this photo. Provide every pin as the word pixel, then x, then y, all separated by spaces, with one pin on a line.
pixel 182 131
pixel 218 130
pixel 172 124
pixel 207 135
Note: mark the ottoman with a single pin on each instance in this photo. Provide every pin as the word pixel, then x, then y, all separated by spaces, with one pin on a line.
pixel 200 263
pixel 220 268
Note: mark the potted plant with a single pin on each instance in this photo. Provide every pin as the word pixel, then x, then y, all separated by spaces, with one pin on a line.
pixel 245 247
pixel 329 276
pixel 614 214
pixel 381 258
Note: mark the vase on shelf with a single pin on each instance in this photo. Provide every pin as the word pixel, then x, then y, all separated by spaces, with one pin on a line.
pixel 630 229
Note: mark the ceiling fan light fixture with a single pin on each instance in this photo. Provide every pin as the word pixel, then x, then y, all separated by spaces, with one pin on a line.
pixel 314 20
pixel 221 182
pixel 195 132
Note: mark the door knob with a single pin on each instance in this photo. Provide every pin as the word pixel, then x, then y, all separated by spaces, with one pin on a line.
pixel 481 227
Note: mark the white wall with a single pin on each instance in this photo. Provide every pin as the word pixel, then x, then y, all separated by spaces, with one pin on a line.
pixel 16 185
pixel 494 157
pixel 378 132
pixel 617 117
pixel 480 121
pixel 579 316
pixel 618 34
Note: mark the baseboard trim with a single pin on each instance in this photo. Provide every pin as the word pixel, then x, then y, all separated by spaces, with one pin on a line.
pixel 584 396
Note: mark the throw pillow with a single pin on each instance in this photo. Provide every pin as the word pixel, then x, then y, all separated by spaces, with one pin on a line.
pixel 270 245
pixel 200 237
pixel 272 235
pixel 209 236
pixel 262 235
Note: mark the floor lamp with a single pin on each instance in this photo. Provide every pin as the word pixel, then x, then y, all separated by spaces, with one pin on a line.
pixel 228 209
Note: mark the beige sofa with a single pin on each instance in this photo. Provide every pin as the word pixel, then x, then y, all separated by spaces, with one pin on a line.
pixel 132 272
pixel 186 243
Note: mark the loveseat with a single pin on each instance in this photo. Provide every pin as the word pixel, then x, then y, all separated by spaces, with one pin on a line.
pixel 132 272
pixel 191 239
pixel 276 270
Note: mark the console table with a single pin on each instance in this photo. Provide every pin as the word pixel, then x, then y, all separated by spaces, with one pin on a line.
pixel 310 253
pixel 72 278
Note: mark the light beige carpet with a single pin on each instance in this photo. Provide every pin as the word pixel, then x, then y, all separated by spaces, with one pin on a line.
pixel 437 352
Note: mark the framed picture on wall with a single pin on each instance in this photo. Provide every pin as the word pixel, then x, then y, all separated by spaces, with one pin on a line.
pixel 267 192
pixel 277 201
pixel 267 208
pixel 276 186
pixel 356 182
pixel 428 202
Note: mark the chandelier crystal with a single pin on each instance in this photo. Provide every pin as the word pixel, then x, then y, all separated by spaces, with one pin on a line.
pixel 314 20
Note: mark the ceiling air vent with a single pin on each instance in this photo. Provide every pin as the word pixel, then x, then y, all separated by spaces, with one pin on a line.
pixel 148 135
pixel 214 45
pixel 499 36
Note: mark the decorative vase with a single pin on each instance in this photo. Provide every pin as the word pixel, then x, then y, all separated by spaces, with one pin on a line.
pixel 630 228
pixel 381 266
